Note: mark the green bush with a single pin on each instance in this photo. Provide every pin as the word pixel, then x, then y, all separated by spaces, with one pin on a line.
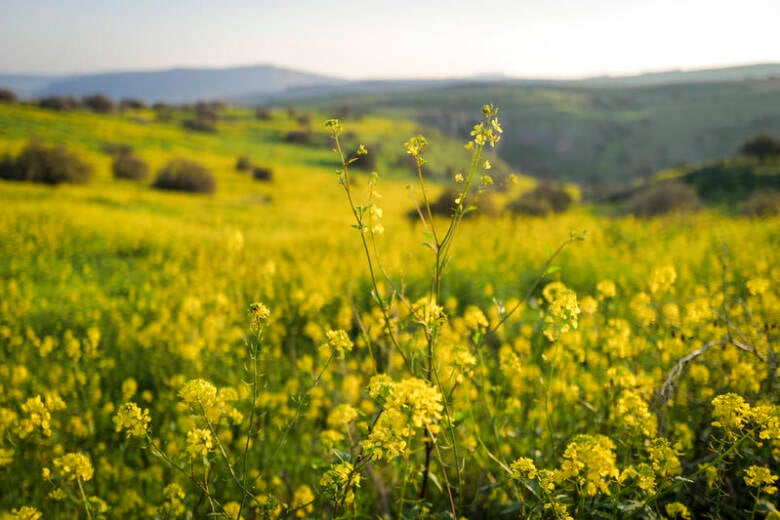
pixel 202 122
pixel 7 96
pixel 665 197
pixel 528 205
pixel 46 164
pixel 58 103
pixel 129 166
pixel 444 205
pixel 263 113
pixel 299 137
pixel 185 175
pixel 98 103
pixel 260 173
pixel 545 198
pixel 761 147
pixel 243 163
pixel 762 204
pixel 131 103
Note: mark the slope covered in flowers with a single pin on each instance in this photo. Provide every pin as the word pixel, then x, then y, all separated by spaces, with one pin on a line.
pixel 176 356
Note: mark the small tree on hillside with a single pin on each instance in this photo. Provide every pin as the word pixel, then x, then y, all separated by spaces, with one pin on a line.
pixel 762 147
pixel 7 96
pixel 98 103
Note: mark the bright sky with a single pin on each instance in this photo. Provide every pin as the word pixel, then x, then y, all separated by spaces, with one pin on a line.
pixel 389 38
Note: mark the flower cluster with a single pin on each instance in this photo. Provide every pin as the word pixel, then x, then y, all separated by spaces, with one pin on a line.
pixel 132 420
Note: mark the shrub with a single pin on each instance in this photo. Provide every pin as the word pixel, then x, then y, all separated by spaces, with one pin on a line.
pixel 205 119
pixel 761 147
pixel 665 197
pixel 58 103
pixel 545 198
pixel 117 148
pixel 131 103
pixel 529 205
pixel 762 204
pixel 260 173
pixel 98 103
pixel 7 96
pixel 243 163
pixel 129 166
pixel 185 175
pixel 263 113
pixel 46 164
pixel 299 137
pixel 558 198
pixel 202 122
pixel 9 169
pixel 444 205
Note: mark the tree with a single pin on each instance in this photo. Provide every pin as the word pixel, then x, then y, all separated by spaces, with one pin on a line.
pixel 7 96
pixel 762 147
pixel 98 103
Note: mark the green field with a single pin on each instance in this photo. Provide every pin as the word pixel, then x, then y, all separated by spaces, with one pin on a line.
pixel 631 374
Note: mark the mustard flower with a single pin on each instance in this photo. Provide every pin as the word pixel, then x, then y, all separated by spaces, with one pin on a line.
pixel 338 343
pixel 762 479
pixel 340 482
pixel 678 510
pixel 199 442
pixel 26 513
pixel 131 419
pixel 198 392
pixel 74 466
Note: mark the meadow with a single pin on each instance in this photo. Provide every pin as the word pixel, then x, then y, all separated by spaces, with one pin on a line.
pixel 302 349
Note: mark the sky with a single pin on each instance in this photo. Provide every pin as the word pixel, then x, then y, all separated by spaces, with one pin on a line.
pixel 389 39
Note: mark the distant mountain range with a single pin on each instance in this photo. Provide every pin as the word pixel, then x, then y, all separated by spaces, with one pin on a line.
pixel 182 85
pixel 266 83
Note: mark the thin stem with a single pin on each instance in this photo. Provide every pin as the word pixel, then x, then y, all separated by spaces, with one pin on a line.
pixel 253 352
pixel 84 500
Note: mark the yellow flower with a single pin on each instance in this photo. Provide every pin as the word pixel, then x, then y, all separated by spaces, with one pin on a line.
pixel 199 442
pixel 415 145
pixel 199 392
pixel 678 510
pixel 26 513
pixel 73 466
pixel 303 501
pixel 523 468
pixel 340 482
pixel 606 289
pixel 730 411
pixel 758 286
pixel 338 343
pixel 133 420
pixel 259 314
pixel 589 460
pixel 662 279
pixel 761 478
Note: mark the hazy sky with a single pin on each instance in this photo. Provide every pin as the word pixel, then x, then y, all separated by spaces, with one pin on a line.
pixel 393 38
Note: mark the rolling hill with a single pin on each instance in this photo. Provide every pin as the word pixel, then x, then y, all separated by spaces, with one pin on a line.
pixel 588 134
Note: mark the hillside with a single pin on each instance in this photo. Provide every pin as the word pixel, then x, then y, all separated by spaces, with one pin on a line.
pixel 180 355
pixel 290 143
pixel 589 135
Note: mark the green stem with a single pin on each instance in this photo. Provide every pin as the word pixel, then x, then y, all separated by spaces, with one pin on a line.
pixel 84 500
